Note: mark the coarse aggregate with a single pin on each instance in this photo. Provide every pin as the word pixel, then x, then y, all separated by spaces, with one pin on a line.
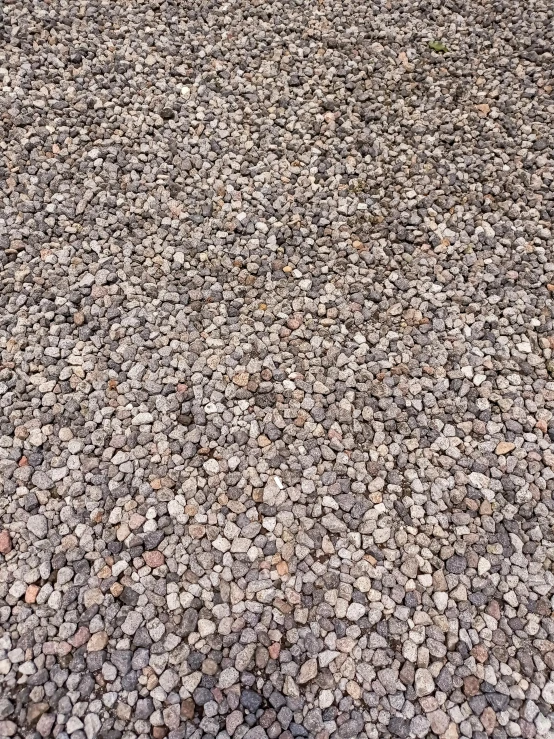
pixel 276 369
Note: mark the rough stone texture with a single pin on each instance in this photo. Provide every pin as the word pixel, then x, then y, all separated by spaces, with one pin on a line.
pixel 276 370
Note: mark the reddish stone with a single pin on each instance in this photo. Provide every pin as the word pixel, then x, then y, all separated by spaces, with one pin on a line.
pixel 480 652
pixel 274 650
pixel 136 521
pixel 187 709
pixel 154 558
pixel 493 609
pixel 5 542
pixel 35 711
pixel 80 637
pixel 471 686
pixel 218 694
pixel 488 719
pixel 63 648
pixel 31 593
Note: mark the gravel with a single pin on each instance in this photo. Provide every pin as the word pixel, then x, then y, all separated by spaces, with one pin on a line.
pixel 276 370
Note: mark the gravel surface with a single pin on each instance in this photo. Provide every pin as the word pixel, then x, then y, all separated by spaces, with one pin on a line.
pixel 276 370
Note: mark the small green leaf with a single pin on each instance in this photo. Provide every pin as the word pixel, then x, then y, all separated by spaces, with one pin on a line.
pixel 437 46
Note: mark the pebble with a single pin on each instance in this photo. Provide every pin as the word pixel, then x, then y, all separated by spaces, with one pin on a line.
pixel 206 627
pixel 505 447
pixel 355 611
pixel 38 525
pixel 250 700
pixel 188 709
pixel 277 373
pixel 424 683
pixel 154 558
pixel 97 641
pixel 143 418
pixel 308 671
pixel 439 721
pixel 5 542
pixel 456 564
pixel 548 693
pixel 233 721
pixel 257 732
pixel 228 677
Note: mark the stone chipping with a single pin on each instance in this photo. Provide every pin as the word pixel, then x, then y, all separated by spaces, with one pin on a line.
pixel 276 369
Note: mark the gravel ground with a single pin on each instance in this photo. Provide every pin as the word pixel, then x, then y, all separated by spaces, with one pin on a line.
pixel 276 370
